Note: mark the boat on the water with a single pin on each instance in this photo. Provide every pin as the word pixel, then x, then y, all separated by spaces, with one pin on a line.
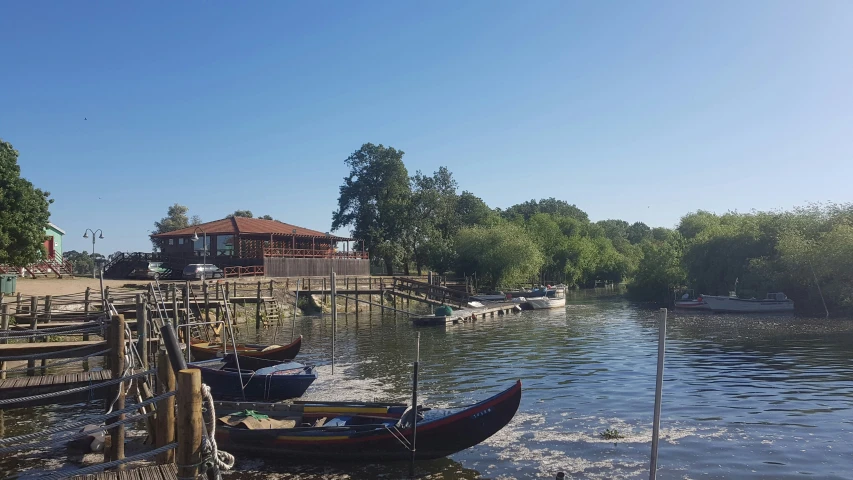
pixel 774 302
pixel 207 351
pixel 254 379
pixel 553 298
pixel 356 431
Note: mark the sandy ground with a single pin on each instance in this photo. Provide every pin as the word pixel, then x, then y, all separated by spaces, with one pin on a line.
pixel 64 286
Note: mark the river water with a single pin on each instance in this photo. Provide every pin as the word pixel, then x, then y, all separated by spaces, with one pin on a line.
pixel 757 397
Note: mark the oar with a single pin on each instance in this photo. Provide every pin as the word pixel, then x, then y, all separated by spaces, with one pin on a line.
pixel 415 404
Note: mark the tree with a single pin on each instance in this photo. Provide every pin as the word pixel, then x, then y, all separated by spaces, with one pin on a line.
pixel 374 199
pixel 637 232
pixel 266 217
pixel 24 213
pixel 431 222
pixel 659 271
pixel 242 213
pixel 501 255
pixel 551 205
pixel 82 263
pixel 175 219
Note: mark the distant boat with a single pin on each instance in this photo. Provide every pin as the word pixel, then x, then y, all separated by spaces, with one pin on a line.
pixel 774 302
pixel 553 298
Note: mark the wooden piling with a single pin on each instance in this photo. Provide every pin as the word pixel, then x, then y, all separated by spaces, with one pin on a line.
pixel 334 318
pixel 272 287
pixel 186 294
pixel 258 309
pixel 4 327
pixel 142 330
pixel 173 289
pixel 34 303
pixel 188 456
pixel 206 295
pixel 165 408
pixel 117 352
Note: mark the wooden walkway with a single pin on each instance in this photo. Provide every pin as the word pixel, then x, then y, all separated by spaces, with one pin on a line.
pixel 466 315
pixel 152 472
pixel 19 387
pixel 54 349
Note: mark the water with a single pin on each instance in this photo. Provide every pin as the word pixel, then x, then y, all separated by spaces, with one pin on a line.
pixel 744 397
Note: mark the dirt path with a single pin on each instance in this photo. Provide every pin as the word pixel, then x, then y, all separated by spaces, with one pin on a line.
pixel 64 286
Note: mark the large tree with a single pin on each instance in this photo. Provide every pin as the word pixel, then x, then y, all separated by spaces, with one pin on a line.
pixel 23 212
pixel 432 222
pixel 241 213
pixel 374 200
pixel 176 218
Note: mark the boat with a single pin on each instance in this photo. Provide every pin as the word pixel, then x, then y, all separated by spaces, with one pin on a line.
pixel 774 302
pixel 207 350
pixel 553 298
pixel 255 379
pixel 354 431
pixel 489 298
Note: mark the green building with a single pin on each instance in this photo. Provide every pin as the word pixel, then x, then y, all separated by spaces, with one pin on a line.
pixel 53 241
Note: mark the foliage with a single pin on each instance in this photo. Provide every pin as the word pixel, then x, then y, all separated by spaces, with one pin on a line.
pixel 266 217
pixel 374 199
pixel 175 219
pixel 660 270
pixel 551 206
pixel 500 255
pixel 24 213
pixel 611 434
pixel 242 213
pixel 82 262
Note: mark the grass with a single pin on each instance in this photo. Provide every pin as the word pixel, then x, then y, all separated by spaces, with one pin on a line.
pixel 611 434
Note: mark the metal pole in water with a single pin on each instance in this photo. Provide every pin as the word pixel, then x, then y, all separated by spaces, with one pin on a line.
pixel 658 393
pixel 295 306
pixel 334 317
pixel 415 405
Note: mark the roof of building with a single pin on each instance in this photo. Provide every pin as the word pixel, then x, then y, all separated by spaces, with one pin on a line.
pixel 250 226
pixel 61 231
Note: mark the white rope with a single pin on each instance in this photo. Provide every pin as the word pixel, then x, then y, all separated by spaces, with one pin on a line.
pixel 223 459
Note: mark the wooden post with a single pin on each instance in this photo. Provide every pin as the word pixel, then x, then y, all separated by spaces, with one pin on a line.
pixel 324 289
pixel 370 296
pixel 187 339
pixel 258 309
pixel 356 298
pixel 142 330
pixel 206 302
pixel 272 287
pixel 334 319
pixel 116 344
pixel 48 304
pixel 4 327
pixel 658 393
pixel 34 303
pixel 173 289
pixel 165 408
pixel 188 455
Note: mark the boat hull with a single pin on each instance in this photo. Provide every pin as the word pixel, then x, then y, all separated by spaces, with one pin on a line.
pixel 692 305
pixel 742 305
pixel 435 438
pixel 225 385
pixel 208 351
pixel 541 303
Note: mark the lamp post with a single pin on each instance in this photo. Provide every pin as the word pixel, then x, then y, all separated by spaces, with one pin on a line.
pixel 86 235
pixel 204 249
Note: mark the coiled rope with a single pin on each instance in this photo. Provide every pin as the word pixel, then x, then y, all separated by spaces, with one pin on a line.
pixel 223 459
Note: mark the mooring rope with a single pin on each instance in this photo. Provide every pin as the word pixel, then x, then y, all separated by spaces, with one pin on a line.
pixel 37 356
pixel 75 390
pixel 60 331
pixel 70 360
pixel 103 466
pixel 51 431
pixel 223 459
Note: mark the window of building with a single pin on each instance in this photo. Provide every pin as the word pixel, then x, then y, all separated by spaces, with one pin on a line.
pixel 225 245
pixel 199 246
pixel 180 241
pixel 171 241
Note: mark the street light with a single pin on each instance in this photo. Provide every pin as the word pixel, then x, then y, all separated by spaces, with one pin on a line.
pixel 204 248
pixel 86 235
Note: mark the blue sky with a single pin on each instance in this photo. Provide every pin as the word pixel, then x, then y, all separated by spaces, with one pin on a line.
pixel 635 111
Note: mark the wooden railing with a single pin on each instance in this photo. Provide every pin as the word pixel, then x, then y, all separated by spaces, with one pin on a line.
pixel 251 271
pixel 310 253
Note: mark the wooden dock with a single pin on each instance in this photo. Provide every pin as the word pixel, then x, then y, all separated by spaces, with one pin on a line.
pixel 18 387
pixel 148 472
pixel 466 315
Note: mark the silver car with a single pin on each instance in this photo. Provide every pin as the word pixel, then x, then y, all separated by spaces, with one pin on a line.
pixel 194 271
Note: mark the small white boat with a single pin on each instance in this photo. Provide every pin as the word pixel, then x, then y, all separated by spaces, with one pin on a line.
pixel 554 298
pixel 775 302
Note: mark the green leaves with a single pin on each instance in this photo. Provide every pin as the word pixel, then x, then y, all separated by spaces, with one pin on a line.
pixel 24 213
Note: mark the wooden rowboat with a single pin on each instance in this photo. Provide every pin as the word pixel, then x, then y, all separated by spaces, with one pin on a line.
pixel 338 431
pixel 256 379
pixel 207 351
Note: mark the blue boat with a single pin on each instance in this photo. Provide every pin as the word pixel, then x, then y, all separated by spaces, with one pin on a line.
pixel 256 379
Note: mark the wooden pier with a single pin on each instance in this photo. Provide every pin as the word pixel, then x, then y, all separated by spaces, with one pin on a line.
pixel 148 472
pixel 466 315
pixel 20 387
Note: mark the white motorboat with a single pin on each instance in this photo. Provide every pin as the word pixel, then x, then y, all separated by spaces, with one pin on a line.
pixel 774 302
pixel 554 298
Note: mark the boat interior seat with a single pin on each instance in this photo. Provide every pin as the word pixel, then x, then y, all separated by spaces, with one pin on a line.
pixel 338 421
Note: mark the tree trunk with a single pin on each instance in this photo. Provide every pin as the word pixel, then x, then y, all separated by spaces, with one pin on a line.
pixel 389 265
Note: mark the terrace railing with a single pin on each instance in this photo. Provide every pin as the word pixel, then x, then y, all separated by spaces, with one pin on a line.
pixel 311 253
pixel 250 271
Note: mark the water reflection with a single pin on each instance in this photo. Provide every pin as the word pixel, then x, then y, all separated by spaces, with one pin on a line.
pixel 744 397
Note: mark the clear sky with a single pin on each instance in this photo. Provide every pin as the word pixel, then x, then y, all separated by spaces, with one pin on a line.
pixel 634 110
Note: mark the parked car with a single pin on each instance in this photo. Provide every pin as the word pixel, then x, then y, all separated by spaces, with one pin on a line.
pixel 148 271
pixel 194 271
